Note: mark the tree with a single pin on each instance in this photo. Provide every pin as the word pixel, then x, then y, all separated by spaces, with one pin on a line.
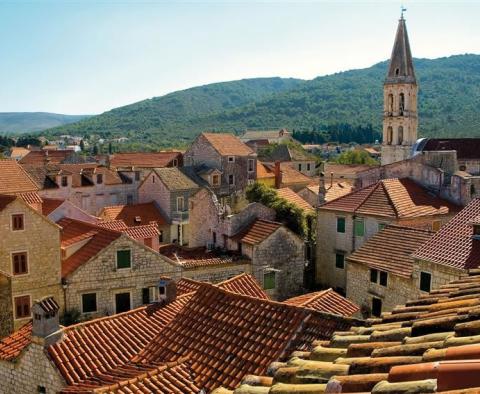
pixel 82 145
pixel 95 150
pixel 110 148
pixel 356 156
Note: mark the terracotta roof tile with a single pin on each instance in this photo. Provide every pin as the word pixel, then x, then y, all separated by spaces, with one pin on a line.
pixel 397 198
pixel 228 144
pixel 453 244
pixel 391 249
pixel 257 232
pixel 144 159
pixel 290 176
pixel 199 256
pixel 146 212
pixel 50 204
pixel 13 178
pixel 334 190
pixel 47 155
pixel 263 171
pixel 292 197
pixel 31 198
pixel 142 232
pixel 74 231
pixel 12 345
pixel 325 301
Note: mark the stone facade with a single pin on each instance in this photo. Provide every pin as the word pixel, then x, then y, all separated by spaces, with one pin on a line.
pixel 40 240
pixel 32 372
pixel 100 275
pixel 69 210
pixel 217 274
pixel 202 153
pixel 6 305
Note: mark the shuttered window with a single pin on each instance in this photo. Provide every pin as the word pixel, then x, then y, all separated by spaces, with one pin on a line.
pixel 340 225
pixel 269 280
pixel 22 307
pixel 20 263
pixel 124 258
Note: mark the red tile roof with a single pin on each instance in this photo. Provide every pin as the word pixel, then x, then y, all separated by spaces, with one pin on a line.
pixel 142 232
pixel 290 176
pixel 257 232
pixel 31 198
pixel 228 144
pixel 325 301
pixel 5 200
pixel 53 156
pixel 144 159
pixel 227 335
pixel 13 178
pixel 263 171
pixel 467 148
pixel 397 198
pixel 147 212
pixel 13 345
pixel 334 190
pixel 74 231
pixel 199 257
pixel 292 197
pixel 453 244
pixel 391 249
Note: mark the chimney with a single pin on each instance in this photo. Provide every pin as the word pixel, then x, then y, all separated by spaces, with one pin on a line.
pixel 278 175
pixel 331 179
pixel 46 325
pixel 167 290
pixel 322 192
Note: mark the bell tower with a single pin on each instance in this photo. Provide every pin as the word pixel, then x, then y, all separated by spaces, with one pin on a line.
pixel 400 120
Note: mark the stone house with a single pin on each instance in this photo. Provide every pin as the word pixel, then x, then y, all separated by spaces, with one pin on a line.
pixel 295 155
pixel 272 136
pixel 287 176
pixel 29 258
pixel 88 185
pixel 382 272
pixel 106 271
pixel 453 250
pixel 265 174
pixel 277 256
pixel 56 209
pixel 333 190
pixel 223 161
pixel 171 190
pixel 122 217
pixel 344 224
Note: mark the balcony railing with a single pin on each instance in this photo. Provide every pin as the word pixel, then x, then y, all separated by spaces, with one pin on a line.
pixel 180 217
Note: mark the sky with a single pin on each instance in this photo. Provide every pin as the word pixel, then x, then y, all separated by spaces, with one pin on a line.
pixel 86 57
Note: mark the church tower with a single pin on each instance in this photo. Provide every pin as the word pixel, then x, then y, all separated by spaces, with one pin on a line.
pixel 400 89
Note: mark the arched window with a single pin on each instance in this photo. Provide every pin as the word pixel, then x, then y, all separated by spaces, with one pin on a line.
pixel 397 71
pixel 400 135
pixel 389 135
pixel 401 103
pixel 390 103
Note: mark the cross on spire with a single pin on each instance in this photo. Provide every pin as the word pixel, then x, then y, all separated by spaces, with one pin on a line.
pixel 402 10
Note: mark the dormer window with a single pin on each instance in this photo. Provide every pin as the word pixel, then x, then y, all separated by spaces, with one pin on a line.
pixel 231 159
pixel 215 180
pixel 99 179
pixel 64 181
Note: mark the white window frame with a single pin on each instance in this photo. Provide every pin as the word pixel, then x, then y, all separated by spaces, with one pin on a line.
pixel 182 199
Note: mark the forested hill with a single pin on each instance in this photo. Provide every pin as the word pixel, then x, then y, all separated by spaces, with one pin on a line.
pixel 25 122
pixel 449 105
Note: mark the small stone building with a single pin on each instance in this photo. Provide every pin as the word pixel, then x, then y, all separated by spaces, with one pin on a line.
pixel 346 223
pixel 382 272
pixel 29 257
pixel 106 272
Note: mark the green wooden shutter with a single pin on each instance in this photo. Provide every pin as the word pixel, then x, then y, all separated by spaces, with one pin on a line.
pixel 124 259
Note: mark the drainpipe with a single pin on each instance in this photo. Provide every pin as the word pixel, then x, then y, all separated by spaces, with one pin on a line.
pixel 64 287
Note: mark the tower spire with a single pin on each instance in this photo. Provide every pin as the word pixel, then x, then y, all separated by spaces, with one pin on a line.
pixel 400 69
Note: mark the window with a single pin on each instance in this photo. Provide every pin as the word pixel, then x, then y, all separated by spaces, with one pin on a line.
pixel 463 168
pixel 373 275
pixel 390 103
pixel 22 307
pixel 339 260
pixel 299 166
pixel 41 389
pixel 425 281
pixel 231 159
pixel 17 222
pixel 383 278
pixel 251 165
pixel 124 258
pixel 160 237
pixel 153 178
pixel 340 225
pixel 389 135
pixel 89 302
pixel 376 307
pixel 64 181
pixel 214 237
pixel 122 302
pixel 20 263
pixel 401 103
pixel 99 178
pixel 129 199
pixel 137 175
pixel 145 295
pixel 180 204
pixel 381 226
pixel 400 135
pixel 269 280
pixel 215 180
pixel 175 163
pixel 231 179
pixel 359 227
pixel 308 166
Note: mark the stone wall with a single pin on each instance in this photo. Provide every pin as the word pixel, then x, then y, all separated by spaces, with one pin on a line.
pixel 283 252
pixel 30 373
pixel 441 274
pixel 217 274
pixel 6 306
pixel 70 210
pixel 309 196
pixel 40 239
pixel 101 276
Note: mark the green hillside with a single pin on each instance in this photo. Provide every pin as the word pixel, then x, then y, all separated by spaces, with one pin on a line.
pixel 27 122
pixel 449 100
